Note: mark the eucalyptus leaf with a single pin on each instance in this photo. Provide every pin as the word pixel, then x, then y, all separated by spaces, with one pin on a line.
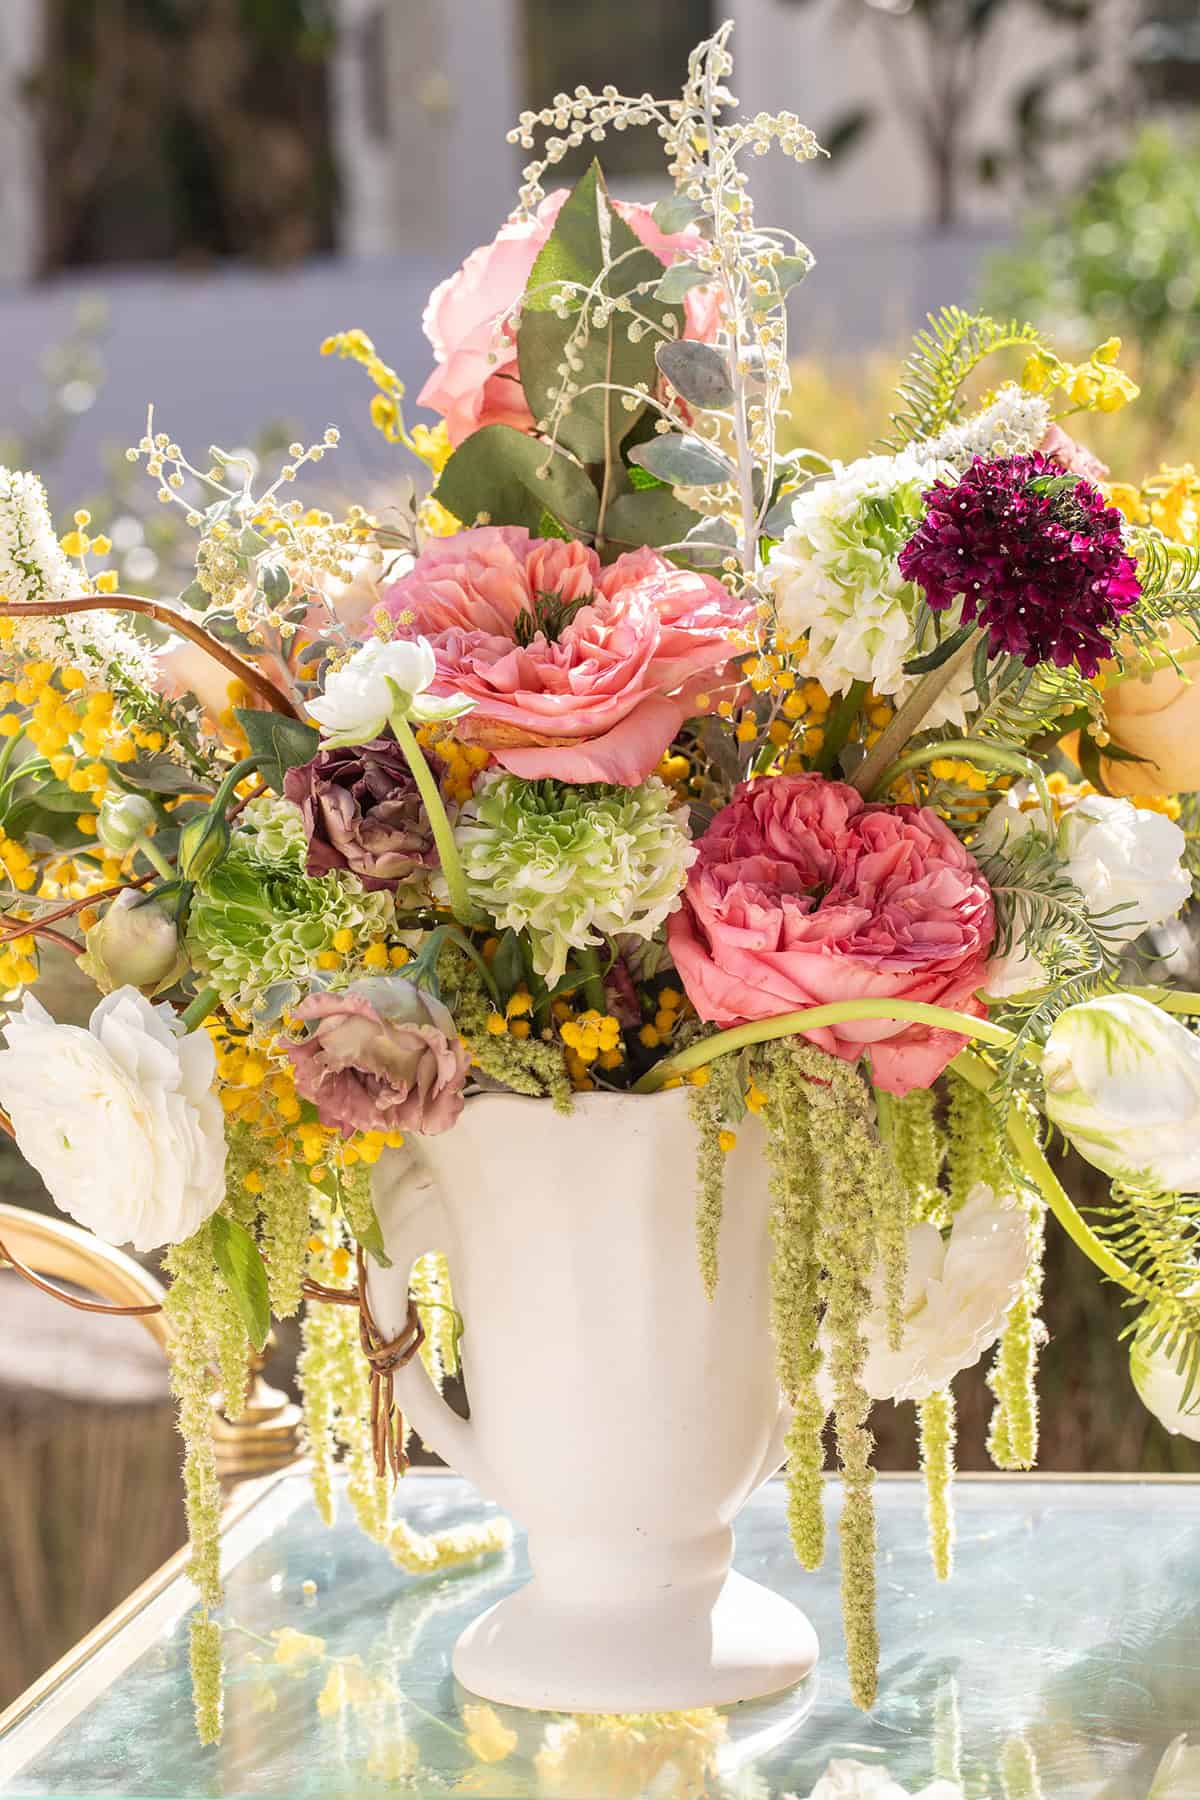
pixel 684 461
pixel 239 1259
pixel 649 516
pixel 679 281
pixel 675 213
pixel 195 596
pixel 783 276
pixel 159 775
pixel 778 517
pixel 286 743
pixel 275 582
pixel 698 372
pixel 498 470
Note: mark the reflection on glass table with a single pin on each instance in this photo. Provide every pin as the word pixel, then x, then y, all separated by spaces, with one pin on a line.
pixel 1059 1663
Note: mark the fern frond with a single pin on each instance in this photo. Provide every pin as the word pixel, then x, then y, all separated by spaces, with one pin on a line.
pixel 942 358
pixel 1157 1237
pixel 1169 573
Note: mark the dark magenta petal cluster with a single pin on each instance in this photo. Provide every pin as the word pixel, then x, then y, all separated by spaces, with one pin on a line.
pixel 1039 560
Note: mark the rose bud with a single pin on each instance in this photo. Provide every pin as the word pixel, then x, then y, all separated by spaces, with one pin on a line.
pixel 123 820
pixel 135 944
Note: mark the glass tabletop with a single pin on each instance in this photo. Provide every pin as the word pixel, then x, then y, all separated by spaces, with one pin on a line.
pixel 1058 1664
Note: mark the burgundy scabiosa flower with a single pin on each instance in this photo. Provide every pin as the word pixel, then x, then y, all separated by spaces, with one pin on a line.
pixel 1037 556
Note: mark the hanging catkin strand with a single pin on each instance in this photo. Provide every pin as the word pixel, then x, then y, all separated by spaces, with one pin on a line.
pixel 889 1202
pixel 1013 1434
pixel 705 1107
pixel 920 1150
pixel 795 1298
pixel 938 1430
pixel 975 1149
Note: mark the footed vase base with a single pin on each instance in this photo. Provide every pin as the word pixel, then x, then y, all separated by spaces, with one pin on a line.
pixel 682 1652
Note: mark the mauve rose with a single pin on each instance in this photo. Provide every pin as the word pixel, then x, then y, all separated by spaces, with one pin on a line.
pixel 804 895
pixel 399 1069
pixel 362 812
pixel 476 381
pixel 576 672
pixel 1073 456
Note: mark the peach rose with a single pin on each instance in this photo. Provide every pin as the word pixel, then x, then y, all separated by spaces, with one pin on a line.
pixel 476 381
pixel 1157 718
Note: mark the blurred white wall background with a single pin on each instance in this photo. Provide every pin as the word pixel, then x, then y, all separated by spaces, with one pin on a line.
pixel 20 54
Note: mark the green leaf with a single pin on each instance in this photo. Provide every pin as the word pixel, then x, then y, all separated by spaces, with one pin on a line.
pixel 508 964
pixel 783 275
pixel 698 372
pixel 921 665
pixel 549 527
pixel 158 775
pixel 240 1261
pixel 370 1236
pixel 286 743
pixel 196 597
pixel 676 212
pixel 652 516
pixel 683 461
pixel 498 471
pixel 679 281
pixel 642 478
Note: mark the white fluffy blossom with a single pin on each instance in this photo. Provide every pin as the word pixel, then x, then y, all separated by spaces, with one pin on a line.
pixel 834 579
pixel 34 567
pixel 1178 1774
pixel 385 678
pixel 120 1120
pixel 846 1779
pixel 1013 424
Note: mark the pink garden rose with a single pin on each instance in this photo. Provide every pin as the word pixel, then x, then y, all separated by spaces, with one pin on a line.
pixel 803 895
pixel 402 1069
pixel 462 319
pixel 577 671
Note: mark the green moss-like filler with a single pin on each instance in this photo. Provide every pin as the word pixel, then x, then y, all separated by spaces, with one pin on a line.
pixel 796 1297
pixel 526 1065
pixel 1020 1778
pixel 920 1150
pixel 1013 1434
pixel 279 1210
pixel 204 1656
pixel 975 1149
pixel 194 1299
pixel 430 1288
pixel 938 1431
pixel 705 1106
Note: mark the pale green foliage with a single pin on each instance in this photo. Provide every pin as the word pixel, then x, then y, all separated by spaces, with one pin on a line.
pixel 937 1426
pixel 1157 1237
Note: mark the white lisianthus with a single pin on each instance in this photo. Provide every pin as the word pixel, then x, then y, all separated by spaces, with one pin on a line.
pixel 120 1120
pixel 1126 861
pixel 957 1294
pixel 846 1779
pixel 1161 1387
pixel 385 678
pixel 1178 1774
pixel 834 578
pixel 1122 1082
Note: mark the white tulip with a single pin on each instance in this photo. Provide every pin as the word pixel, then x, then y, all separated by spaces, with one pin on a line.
pixel 1122 1082
pixel 1161 1386
pixel 120 1120
pixel 845 1779
pixel 1178 1774
pixel 385 678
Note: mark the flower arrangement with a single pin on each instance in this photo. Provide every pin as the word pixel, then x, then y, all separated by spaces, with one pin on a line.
pixel 651 758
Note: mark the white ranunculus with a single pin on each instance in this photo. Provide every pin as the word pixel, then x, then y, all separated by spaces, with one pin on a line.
pixel 1126 861
pixel 845 1779
pixel 120 1120
pixel 1178 1774
pixel 1161 1387
pixel 1122 1082
pixel 957 1295
pixel 384 678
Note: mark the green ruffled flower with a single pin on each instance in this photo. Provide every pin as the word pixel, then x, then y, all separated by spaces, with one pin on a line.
pixel 253 923
pixel 573 865
pixel 275 830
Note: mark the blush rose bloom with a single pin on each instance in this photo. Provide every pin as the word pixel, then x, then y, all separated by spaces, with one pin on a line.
pixel 804 895
pixel 476 381
pixel 601 696
pixel 396 1066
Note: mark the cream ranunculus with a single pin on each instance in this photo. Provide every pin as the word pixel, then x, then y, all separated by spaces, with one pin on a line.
pixel 846 1779
pixel 383 678
pixel 1178 1774
pixel 1161 1386
pixel 1122 1082
pixel 957 1295
pixel 120 1120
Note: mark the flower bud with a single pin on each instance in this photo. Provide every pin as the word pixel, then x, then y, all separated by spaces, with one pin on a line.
pixel 1122 1082
pixel 135 944
pixel 202 844
pixel 123 819
pixel 1162 1385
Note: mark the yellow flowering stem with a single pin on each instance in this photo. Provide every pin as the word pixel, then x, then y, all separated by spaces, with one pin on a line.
pixel 198 1010
pixel 814 1018
pixel 1035 1165
pixel 837 726
pixel 987 756
pixel 443 836
pixel 907 721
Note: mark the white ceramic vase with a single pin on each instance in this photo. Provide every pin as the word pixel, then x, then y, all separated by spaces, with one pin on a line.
pixel 618 1414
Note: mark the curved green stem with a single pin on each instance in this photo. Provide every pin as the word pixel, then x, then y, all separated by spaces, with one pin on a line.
pixel 198 1010
pixel 908 720
pixel 593 979
pixel 837 726
pixel 1169 999
pixel 814 1018
pixel 154 856
pixel 435 811
pixel 988 756
pixel 1033 1160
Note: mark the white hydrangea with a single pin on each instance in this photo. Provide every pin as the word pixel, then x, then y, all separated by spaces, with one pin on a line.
pixel 834 579
pixel 34 567
pixel 1013 424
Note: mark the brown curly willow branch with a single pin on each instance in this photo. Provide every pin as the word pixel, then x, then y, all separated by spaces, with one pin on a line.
pixel 165 615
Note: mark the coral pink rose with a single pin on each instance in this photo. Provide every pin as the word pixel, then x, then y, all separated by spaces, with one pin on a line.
pixel 577 671
pixel 803 895
pixel 476 381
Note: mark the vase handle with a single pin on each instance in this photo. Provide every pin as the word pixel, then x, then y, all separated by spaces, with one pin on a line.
pixel 776 1451
pixel 413 1220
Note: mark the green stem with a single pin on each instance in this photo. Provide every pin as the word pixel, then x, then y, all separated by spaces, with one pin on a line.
pixel 1030 1155
pixel 907 721
pixel 1168 999
pixel 837 726
pixel 443 836
pixel 593 982
pixel 36 765
pixel 155 858
pixel 814 1018
pixel 6 754
pixel 1149 665
pixel 197 1010
pixel 988 756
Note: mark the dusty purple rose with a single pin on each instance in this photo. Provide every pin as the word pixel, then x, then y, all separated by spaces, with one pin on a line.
pixel 367 1070
pixel 362 812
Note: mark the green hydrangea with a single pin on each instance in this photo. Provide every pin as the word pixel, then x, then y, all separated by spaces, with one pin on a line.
pixel 253 922
pixel 573 865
